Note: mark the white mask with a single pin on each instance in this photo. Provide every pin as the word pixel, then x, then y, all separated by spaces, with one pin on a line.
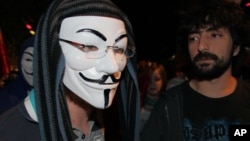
pixel 27 65
pixel 93 75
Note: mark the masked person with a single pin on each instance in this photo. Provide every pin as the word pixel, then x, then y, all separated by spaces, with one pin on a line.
pixel 213 100
pixel 18 88
pixel 84 53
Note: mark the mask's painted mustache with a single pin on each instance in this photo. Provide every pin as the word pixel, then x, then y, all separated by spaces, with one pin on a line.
pixel 30 73
pixel 106 97
pixel 101 80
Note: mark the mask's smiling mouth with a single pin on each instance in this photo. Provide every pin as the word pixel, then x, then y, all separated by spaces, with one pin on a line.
pixel 29 73
pixel 102 80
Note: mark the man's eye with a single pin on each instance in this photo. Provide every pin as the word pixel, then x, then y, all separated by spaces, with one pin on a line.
pixel 215 35
pixel 90 48
pixel 191 39
pixel 119 50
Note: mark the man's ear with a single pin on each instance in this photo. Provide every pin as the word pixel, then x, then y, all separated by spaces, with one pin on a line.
pixel 236 49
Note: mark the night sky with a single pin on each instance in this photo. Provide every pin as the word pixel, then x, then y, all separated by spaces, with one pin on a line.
pixel 153 25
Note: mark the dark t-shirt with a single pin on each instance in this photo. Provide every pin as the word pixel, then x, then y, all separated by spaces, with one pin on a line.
pixel 209 118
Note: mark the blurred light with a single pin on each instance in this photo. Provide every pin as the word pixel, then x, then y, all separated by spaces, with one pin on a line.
pixel 247 4
pixel 32 32
pixel 5 68
pixel 28 26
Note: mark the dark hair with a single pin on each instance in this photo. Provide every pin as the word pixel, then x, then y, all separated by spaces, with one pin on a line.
pixel 227 15
pixel 217 14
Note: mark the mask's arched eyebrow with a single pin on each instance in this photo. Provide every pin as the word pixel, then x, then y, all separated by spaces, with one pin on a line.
pixel 29 53
pixel 94 32
pixel 121 37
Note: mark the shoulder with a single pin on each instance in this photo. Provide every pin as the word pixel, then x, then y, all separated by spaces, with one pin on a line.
pixel 14 125
pixel 243 84
pixel 173 95
pixel 175 81
pixel 175 91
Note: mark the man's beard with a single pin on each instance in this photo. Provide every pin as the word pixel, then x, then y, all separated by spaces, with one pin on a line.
pixel 207 71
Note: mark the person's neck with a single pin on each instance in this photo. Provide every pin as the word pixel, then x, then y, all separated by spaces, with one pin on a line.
pixel 79 116
pixel 150 101
pixel 152 96
pixel 216 88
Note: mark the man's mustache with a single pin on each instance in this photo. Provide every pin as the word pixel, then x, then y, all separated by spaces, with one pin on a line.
pixel 205 55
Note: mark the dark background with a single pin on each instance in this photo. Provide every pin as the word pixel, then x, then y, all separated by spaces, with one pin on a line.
pixel 152 23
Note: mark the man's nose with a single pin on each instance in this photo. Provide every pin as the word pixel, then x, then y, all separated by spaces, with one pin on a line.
pixel 203 44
